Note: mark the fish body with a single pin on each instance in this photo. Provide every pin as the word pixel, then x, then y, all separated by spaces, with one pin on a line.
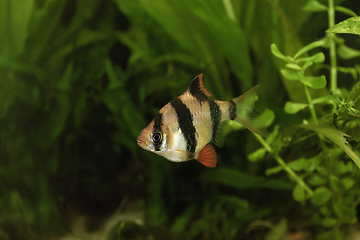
pixel 183 128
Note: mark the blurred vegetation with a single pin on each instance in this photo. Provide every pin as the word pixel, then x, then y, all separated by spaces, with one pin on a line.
pixel 79 79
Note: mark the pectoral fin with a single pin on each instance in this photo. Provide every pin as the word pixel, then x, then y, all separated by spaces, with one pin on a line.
pixel 207 156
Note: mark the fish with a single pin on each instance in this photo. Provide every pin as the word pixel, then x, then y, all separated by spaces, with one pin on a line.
pixel 183 129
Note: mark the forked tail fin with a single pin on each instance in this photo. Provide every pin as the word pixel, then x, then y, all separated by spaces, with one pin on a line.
pixel 245 114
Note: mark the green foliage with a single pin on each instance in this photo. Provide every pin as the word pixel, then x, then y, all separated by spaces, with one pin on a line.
pixel 80 79
pixel 350 25
pixel 325 171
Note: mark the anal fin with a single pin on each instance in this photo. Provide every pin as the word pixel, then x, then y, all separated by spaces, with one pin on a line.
pixel 207 156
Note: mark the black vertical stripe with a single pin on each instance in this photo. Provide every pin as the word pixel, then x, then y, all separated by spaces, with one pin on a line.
pixel 215 116
pixel 158 121
pixel 185 123
pixel 157 129
pixel 232 110
pixel 196 91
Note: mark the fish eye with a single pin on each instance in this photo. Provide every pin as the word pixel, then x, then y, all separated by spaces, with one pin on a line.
pixel 156 137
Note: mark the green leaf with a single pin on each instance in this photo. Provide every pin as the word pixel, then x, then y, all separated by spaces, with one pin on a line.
pixel 272 136
pixel 347 53
pixel 338 167
pixel 15 16
pixel 354 95
pixel 44 22
pixel 324 99
pixel 350 166
pixel 351 25
pixel 315 6
pixel 299 193
pixel 293 108
pixel 317 58
pixel 321 196
pixel 277 53
pixel 322 170
pixel 336 184
pixel 257 155
pixel 316 180
pixel 273 170
pixel 200 29
pixel 309 47
pixel 345 10
pixel 306 65
pixel 266 118
pixel 297 165
pixel 315 82
pixel 290 74
pixel 311 164
pixel 114 81
pixel 345 213
pixel 337 137
pixel 348 182
pixel 64 83
pixel 293 66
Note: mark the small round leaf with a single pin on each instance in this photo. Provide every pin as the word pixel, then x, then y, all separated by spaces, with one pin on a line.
pixel 345 213
pixel 315 82
pixel 311 164
pixel 347 53
pixel 293 66
pixel 292 108
pixel 316 180
pixel 348 182
pixel 290 74
pixel 277 53
pixel 297 165
pixel 336 184
pixel 257 155
pixel 321 196
pixel 273 170
pixel 299 193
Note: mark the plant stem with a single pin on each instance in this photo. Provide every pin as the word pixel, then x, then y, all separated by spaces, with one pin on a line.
pixel 263 142
pixel 294 175
pixel 333 63
pixel 311 104
pixel 285 167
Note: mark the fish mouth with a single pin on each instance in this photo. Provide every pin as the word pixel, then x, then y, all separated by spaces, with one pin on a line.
pixel 141 142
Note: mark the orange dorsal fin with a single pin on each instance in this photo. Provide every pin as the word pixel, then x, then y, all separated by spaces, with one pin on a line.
pixel 197 89
pixel 207 156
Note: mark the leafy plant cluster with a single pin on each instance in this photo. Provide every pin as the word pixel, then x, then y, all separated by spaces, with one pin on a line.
pixel 323 173
pixel 80 79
